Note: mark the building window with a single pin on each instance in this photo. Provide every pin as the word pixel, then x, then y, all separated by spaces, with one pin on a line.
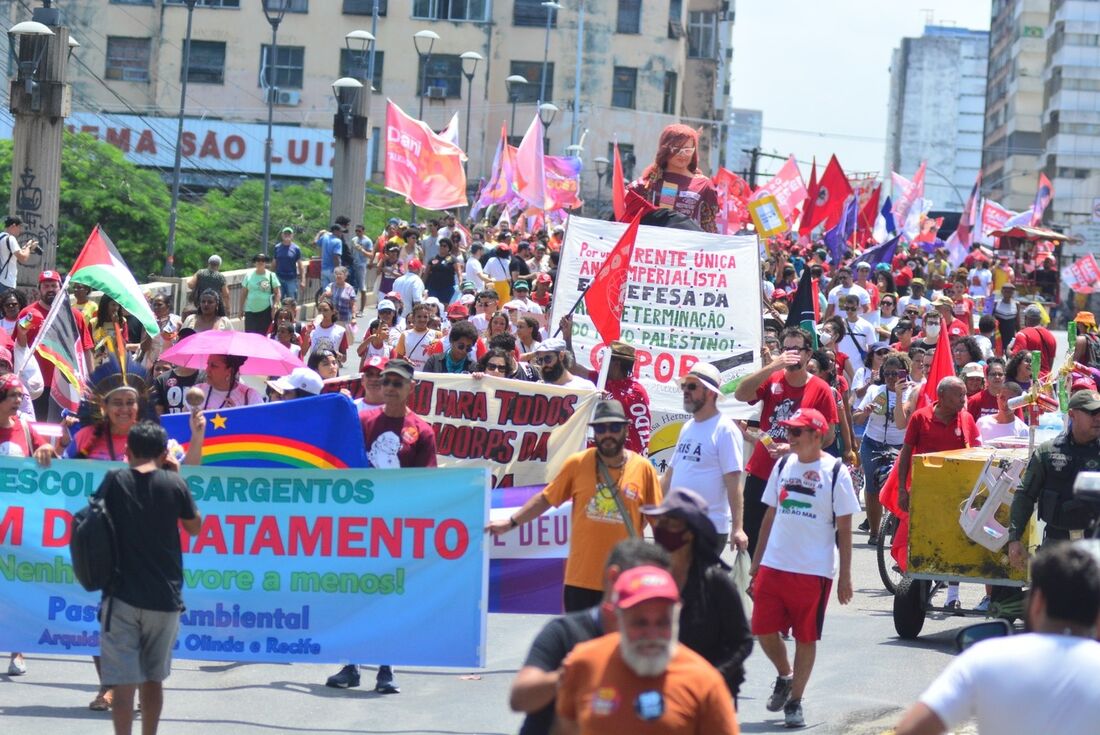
pixel 131 2
pixel 624 85
pixel 443 77
pixel 292 6
pixel 208 3
pixel 363 7
pixel 702 30
pixel 475 10
pixel 346 69
pixel 630 17
pixel 286 69
pixel 207 63
pixel 128 59
pixel 532 72
pixel 668 104
pixel 531 13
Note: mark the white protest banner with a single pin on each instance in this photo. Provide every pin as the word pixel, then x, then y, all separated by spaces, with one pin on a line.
pixel 521 431
pixel 690 297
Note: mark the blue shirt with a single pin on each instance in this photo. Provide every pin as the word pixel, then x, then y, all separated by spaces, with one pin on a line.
pixel 286 261
pixel 331 247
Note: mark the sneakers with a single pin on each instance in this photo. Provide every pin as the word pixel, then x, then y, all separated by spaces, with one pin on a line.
pixel 344 678
pixel 792 714
pixel 384 683
pixel 865 526
pixel 953 607
pixel 17 666
pixel 781 694
pixel 983 606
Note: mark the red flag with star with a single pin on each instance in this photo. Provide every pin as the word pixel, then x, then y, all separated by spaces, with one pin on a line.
pixel 604 297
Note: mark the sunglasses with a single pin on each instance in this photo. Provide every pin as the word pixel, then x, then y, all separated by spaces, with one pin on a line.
pixel 795 433
pixel 882 353
pixel 614 428
pixel 461 346
pixel 496 367
pixel 545 360
pixel 394 383
pixel 689 387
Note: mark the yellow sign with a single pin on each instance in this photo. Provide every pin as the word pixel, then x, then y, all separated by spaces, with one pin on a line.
pixel 767 217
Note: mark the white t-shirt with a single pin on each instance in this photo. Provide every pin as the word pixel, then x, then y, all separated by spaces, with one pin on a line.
pixel 864 376
pixel 498 268
pixel 860 332
pixel 880 424
pixel 1022 684
pixel 417 344
pixel 328 338
pixel 578 382
pixel 980 281
pixel 411 288
pixel 984 345
pixel 854 290
pixel 705 452
pixel 9 246
pixel 473 274
pixel 990 429
pixel 803 536
pixel 921 303
pixel 240 395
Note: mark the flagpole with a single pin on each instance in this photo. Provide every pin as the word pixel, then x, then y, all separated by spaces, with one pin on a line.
pixel 580 298
pixel 51 315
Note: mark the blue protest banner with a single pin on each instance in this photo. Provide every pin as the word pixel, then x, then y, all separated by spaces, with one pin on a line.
pixel 303 565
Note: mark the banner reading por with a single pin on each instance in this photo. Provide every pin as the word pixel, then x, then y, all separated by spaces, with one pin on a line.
pixel 313 566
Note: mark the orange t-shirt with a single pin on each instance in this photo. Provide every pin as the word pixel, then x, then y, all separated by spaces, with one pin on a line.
pixel 602 694
pixel 596 525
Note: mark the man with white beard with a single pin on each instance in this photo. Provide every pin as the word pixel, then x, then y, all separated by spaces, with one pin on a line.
pixel 639 675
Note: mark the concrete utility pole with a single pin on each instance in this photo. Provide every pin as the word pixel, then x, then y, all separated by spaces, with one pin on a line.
pixel 39 102
pixel 350 130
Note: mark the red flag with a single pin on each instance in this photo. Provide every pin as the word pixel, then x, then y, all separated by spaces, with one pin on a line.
pixel 420 165
pixel 811 196
pixel 618 187
pixel 1043 197
pixel 869 212
pixel 832 191
pixel 942 367
pixel 603 298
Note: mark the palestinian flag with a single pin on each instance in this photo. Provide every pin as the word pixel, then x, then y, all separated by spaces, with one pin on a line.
pixel 101 268
pixel 59 342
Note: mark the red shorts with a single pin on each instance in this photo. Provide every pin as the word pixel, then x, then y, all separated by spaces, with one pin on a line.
pixel 789 601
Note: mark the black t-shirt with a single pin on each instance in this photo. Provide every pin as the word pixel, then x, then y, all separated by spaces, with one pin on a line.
pixel 551 646
pixel 145 508
pixel 517 267
pixel 170 388
pixel 441 273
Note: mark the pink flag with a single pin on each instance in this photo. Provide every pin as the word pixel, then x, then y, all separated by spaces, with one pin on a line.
pixel 733 197
pixel 531 167
pixel 498 189
pixel 563 174
pixel 908 195
pixel 787 187
pixel 1083 275
pixel 994 216
pixel 423 167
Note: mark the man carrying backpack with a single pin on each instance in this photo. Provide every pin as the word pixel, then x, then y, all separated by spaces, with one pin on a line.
pixel 11 252
pixel 141 611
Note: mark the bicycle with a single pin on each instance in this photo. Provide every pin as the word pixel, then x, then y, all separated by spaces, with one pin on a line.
pixel 888 571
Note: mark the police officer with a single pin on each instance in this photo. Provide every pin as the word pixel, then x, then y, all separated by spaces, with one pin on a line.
pixel 1049 478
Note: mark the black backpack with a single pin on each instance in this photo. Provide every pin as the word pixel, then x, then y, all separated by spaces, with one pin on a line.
pixel 92 545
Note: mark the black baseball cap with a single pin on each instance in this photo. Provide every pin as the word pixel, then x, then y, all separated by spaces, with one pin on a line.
pixel 400 367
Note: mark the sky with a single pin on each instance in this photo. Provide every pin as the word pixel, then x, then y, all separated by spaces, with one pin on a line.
pixel 820 71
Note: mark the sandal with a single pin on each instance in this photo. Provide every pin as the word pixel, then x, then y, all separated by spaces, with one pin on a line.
pixel 102 701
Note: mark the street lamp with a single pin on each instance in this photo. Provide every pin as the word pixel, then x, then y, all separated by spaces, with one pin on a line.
pixel 422 39
pixel 274 11
pixel 511 82
pixel 547 112
pixel 346 90
pixel 173 211
pixel 73 46
pixel 601 170
pixel 28 67
pixel 550 8
pixel 470 60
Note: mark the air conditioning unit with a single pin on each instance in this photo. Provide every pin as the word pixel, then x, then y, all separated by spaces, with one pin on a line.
pixel 437 93
pixel 288 97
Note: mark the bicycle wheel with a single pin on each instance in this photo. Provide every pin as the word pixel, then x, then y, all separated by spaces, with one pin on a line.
pixel 887 569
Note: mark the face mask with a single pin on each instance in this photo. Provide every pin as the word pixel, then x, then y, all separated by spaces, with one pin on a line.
pixel 932 330
pixel 825 338
pixel 670 540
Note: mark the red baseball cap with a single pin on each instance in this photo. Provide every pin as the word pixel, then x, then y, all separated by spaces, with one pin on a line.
pixel 415 264
pixel 458 310
pixel 639 584
pixel 1080 383
pixel 374 361
pixel 543 278
pixel 779 294
pixel 49 276
pixel 394 295
pixel 807 418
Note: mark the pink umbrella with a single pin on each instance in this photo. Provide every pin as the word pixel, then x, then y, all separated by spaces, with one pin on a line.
pixel 265 356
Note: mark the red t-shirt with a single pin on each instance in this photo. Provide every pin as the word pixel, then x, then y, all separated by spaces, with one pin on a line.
pixel 781 400
pixel 87 444
pixel 397 442
pixel 635 400
pixel 872 291
pixel 1037 338
pixel 926 433
pixel 957 328
pixel 37 313
pixel 964 312
pixel 13 440
pixel 982 403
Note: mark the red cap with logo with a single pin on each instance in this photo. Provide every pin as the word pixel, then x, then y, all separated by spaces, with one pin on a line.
pixel 49 276
pixel 374 361
pixel 458 311
pixel 640 584
pixel 807 418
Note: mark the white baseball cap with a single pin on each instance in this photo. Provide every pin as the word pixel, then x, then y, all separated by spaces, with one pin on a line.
pixel 301 379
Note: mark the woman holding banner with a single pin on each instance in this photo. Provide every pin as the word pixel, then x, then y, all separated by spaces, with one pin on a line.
pixel 673 181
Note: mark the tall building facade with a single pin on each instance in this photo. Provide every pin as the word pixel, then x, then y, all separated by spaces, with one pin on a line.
pixel 1012 146
pixel 936 110
pixel 616 70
